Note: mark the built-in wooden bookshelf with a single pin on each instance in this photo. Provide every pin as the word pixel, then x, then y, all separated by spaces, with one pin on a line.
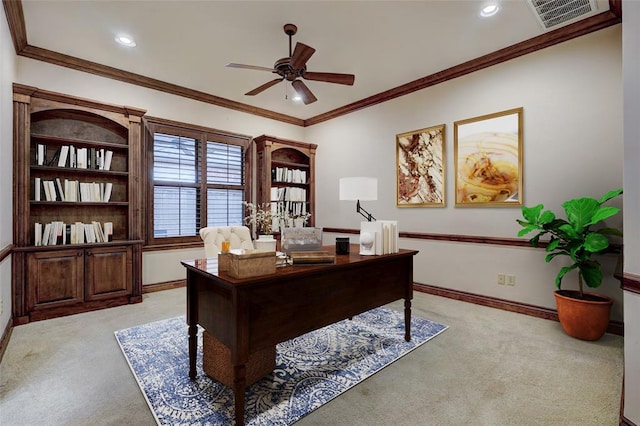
pixel 77 168
pixel 286 175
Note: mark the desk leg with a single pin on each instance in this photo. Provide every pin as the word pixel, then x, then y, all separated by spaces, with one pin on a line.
pixel 407 320
pixel 239 385
pixel 193 350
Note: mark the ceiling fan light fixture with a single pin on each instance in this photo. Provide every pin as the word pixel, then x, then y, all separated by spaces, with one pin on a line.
pixel 489 9
pixel 125 40
pixel 293 68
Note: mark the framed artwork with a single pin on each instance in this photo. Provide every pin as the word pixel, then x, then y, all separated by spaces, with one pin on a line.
pixel 488 159
pixel 420 168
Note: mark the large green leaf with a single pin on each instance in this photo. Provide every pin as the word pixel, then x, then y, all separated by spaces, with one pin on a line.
pixel 591 273
pixel 527 229
pixel 563 271
pixel 553 244
pixel 609 195
pixel 531 214
pixel 547 216
pixel 569 231
pixel 580 211
pixel 595 242
pixel 603 213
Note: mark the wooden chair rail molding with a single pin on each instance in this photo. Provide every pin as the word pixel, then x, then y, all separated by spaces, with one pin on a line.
pixel 5 251
pixel 515 242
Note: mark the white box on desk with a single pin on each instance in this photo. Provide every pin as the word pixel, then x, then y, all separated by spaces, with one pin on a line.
pixel 379 237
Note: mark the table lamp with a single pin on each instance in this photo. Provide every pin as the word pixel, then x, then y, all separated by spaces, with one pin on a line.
pixel 359 188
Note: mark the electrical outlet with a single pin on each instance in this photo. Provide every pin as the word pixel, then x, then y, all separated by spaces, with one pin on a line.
pixel 501 279
pixel 510 279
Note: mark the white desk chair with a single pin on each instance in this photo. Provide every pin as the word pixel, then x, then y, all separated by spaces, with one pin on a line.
pixel 239 237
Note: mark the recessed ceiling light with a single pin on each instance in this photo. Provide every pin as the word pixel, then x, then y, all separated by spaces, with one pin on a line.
pixel 125 41
pixel 489 9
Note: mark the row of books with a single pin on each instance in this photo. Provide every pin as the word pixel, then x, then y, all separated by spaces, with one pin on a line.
pixel 71 190
pixel 70 156
pixel 58 232
pixel 286 209
pixel 288 194
pixel 285 174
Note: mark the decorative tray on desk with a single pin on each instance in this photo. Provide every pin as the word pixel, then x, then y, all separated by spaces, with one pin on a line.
pixel 311 257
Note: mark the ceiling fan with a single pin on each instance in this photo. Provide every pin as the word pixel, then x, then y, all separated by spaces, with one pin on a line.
pixel 294 67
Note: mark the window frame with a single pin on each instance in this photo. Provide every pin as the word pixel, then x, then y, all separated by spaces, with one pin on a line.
pixel 202 135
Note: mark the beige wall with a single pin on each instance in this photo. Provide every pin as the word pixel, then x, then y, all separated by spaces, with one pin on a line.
pixel 631 52
pixel 571 94
pixel 7 76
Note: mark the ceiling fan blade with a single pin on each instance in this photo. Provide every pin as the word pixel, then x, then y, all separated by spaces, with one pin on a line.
pixel 303 91
pixel 330 77
pixel 264 87
pixel 301 55
pixel 249 67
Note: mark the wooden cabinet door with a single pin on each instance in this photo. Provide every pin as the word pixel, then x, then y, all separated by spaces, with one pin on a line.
pixel 108 272
pixel 55 278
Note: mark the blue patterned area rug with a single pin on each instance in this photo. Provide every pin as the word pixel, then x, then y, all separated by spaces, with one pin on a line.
pixel 310 370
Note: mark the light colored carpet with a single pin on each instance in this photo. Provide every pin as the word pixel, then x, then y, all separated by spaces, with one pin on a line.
pixel 490 367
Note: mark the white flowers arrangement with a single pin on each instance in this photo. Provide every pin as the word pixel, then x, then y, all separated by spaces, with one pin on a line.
pixel 261 217
pixel 304 216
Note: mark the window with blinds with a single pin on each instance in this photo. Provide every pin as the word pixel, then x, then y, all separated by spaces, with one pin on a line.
pixel 198 180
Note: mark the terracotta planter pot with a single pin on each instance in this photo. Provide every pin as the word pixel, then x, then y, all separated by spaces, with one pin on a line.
pixel 585 319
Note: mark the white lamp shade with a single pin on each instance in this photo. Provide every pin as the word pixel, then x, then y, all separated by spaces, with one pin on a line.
pixel 358 188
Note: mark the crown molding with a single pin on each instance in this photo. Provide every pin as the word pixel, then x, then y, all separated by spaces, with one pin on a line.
pixel 15 18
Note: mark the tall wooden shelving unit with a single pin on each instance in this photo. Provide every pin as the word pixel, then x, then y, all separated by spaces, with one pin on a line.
pixel 63 279
pixel 276 153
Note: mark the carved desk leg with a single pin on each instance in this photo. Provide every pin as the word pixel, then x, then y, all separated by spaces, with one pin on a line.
pixel 239 385
pixel 407 320
pixel 193 350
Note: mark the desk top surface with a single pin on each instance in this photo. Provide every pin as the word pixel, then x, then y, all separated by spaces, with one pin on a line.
pixel 209 266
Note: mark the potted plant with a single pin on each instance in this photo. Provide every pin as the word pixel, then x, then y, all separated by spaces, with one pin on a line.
pixel 582 315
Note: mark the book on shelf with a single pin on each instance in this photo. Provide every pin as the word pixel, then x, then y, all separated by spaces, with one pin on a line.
pixel 64 153
pixel 38 234
pixel 49 190
pixel 81 158
pixel 37 189
pixel 107 159
pixel 108 231
pixel 45 234
pixel 59 190
pixel 41 154
pixel 72 156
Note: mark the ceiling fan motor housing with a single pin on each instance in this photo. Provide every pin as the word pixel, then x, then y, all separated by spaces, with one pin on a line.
pixel 284 69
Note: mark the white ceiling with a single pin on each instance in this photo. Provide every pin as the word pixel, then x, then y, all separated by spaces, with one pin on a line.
pixel 384 43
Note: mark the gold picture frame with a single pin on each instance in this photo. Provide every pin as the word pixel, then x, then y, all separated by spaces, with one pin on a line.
pixel 488 160
pixel 420 167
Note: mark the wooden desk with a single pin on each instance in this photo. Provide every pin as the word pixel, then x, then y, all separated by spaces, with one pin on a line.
pixel 250 314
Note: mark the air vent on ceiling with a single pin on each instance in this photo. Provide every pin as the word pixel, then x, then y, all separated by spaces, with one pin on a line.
pixel 552 13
